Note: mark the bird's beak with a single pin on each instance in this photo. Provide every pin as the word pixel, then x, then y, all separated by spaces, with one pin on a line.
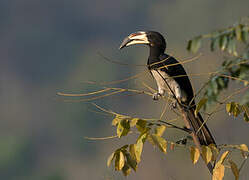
pixel 135 38
pixel 125 42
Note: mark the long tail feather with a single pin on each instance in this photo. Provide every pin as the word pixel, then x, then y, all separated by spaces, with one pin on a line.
pixel 204 135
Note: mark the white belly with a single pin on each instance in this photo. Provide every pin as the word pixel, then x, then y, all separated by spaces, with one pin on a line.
pixel 161 79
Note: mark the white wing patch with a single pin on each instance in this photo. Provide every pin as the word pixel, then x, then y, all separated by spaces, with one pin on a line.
pixel 161 77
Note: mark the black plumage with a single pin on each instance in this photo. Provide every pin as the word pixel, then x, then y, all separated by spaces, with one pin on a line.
pixel 170 76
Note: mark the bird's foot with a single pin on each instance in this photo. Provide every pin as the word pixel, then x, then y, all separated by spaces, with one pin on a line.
pixel 156 96
pixel 182 141
pixel 173 104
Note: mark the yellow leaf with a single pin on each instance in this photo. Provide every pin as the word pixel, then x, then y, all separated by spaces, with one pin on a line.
pixel 160 142
pixel 243 147
pixel 234 169
pixel 132 151
pixel 229 107
pixel 141 125
pixel 246 109
pixel 160 130
pixel 126 170
pixel 195 154
pixel 121 160
pixel 123 127
pixel 110 158
pixel 238 32
pixel 218 172
pixel 207 154
pixel 149 138
pixel 215 151
pixel 131 162
pixel 117 119
pixel 223 157
pixel 138 150
pixel 236 110
pixel 199 105
pixel 133 122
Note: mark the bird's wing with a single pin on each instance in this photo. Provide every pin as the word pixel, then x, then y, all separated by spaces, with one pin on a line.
pixel 175 70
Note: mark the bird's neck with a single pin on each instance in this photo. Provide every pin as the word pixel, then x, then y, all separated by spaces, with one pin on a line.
pixel 155 53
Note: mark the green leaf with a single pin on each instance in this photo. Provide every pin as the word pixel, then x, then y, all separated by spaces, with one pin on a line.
pixel 160 130
pixel 141 125
pixel 194 154
pixel 245 34
pixel 223 42
pixel 123 128
pixel 160 142
pixel 214 43
pixel 238 32
pixel 234 48
pixel 189 45
pixel 110 159
pixel 235 169
pixel 195 44
pixel 119 161
pixel 207 154
pixel 126 170
pixel 222 83
pixel 230 43
pixel 201 103
pixel 214 85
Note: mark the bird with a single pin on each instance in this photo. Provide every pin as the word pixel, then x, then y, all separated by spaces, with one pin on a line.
pixel 170 77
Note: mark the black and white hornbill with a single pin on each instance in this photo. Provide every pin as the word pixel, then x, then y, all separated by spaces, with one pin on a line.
pixel 170 76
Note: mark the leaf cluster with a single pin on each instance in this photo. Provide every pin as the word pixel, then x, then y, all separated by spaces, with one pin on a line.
pixel 235 67
pixel 236 109
pixel 128 156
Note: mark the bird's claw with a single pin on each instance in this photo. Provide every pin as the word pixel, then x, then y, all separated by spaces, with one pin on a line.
pixel 155 96
pixel 173 104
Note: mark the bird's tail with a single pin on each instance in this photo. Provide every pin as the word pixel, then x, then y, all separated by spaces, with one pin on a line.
pixel 201 130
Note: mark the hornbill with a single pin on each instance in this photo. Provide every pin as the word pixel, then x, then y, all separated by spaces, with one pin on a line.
pixel 170 76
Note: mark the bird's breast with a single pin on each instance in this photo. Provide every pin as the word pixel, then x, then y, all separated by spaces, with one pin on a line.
pixel 167 83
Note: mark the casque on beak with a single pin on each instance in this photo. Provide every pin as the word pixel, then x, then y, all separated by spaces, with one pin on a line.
pixel 139 37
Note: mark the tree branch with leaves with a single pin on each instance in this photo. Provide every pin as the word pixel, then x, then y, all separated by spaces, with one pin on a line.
pixel 234 43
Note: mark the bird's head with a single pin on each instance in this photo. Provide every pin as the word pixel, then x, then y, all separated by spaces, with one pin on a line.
pixel 150 38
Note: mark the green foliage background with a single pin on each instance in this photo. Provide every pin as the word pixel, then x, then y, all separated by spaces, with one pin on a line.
pixel 50 46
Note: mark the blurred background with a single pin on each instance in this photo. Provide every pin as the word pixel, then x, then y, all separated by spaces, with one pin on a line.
pixel 50 46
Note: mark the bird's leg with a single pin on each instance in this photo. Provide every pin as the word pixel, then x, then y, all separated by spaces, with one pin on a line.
pixel 173 103
pixel 156 95
pixel 176 97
